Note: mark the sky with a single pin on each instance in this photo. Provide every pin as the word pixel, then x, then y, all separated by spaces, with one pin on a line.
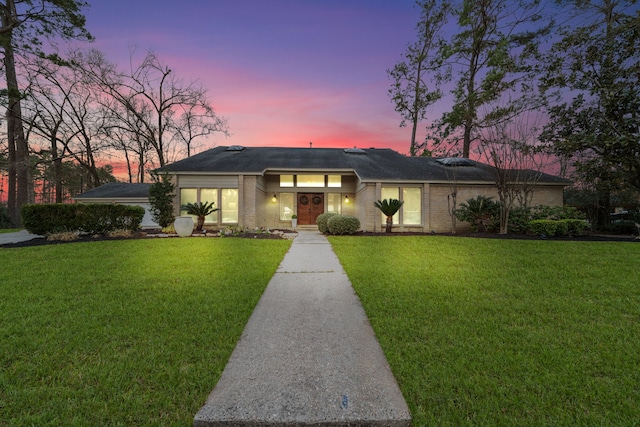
pixel 282 72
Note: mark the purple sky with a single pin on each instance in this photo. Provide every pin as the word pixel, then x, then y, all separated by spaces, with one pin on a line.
pixel 283 72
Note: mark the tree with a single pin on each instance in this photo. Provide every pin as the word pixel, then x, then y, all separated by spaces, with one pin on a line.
pixel 595 117
pixel 161 200
pixel 388 207
pixel 410 89
pixel 489 56
pixel 24 26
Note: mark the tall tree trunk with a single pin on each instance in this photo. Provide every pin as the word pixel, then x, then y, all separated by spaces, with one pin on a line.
pixel 19 171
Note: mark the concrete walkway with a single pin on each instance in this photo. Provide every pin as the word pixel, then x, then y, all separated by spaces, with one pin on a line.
pixel 308 355
pixel 17 237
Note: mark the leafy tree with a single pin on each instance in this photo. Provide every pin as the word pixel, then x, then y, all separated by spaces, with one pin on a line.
pixel 488 59
pixel 389 207
pixel 161 199
pixel 410 90
pixel 595 120
pixel 24 25
pixel 200 210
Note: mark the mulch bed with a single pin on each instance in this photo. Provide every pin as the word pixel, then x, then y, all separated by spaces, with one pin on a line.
pixel 145 235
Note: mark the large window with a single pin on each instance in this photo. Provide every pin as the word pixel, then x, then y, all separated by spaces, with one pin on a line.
pixel 229 205
pixel 334 181
pixel 412 207
pixel 310 181
pixel 286 206
pixel 286 180
pixel 226 199
pixel 210 195
pixel 334 203
pixel 411 211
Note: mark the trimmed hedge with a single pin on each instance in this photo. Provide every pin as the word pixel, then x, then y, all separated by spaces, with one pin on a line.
pixel 90 218
pixel 343 224
pixel 321 221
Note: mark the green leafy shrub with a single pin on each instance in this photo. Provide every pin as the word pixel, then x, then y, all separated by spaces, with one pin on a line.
pixel 480 213
pixel 88 218
pixel 343 224
pixel 161 200
pixel 543 226
pixel 321 221
pixel 575 227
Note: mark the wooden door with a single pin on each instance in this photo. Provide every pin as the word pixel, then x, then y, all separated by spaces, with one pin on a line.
pixel 310 205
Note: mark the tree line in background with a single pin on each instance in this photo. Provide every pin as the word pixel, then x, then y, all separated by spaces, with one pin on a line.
pixel 67 114
pixel 526 84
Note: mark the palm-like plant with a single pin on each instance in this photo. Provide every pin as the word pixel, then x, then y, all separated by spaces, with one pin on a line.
pixel 389 207
pixel 200 210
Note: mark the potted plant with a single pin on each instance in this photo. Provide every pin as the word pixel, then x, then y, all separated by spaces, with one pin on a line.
pixel 199 210
pixel 294 220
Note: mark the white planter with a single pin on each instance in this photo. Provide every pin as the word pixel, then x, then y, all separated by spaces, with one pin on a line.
pixel 294 222
pixel 184 226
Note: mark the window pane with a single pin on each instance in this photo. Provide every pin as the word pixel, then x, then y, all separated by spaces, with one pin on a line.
pixel 411 209
pixel 187 195
pixel 390 193
pixel 310 181
pixel 286 180
pixel 229 205
pixel 334 203
pixel 210 195
pixel 286 206
pixel 334 181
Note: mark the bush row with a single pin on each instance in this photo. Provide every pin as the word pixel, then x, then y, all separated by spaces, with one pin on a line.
pixel 558 227
pixel 332 223
pixel 88 218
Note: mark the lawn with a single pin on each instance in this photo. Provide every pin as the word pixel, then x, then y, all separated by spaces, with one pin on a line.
pixel 504 332
pixel 123 332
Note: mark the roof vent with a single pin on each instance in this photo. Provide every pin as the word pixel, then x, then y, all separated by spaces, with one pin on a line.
pixel 235 148
pixel 355 151
pixel 455 161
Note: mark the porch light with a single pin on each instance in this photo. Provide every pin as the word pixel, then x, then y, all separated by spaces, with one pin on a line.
pixel 274 198
pixel 346 199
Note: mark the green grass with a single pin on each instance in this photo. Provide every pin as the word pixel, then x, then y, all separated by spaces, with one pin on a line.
pixel 503 333
pixel 123 332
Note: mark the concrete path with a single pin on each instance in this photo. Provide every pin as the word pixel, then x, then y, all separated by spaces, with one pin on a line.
pixel 17 237
pixel 308 355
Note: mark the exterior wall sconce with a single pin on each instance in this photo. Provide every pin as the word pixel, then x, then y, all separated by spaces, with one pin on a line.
pixel 274 198
pixel 346 199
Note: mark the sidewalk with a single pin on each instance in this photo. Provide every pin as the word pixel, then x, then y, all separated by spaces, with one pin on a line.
pixel 17 237
pixel 308 355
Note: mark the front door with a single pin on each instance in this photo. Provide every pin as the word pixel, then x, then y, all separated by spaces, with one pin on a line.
pixel 310 205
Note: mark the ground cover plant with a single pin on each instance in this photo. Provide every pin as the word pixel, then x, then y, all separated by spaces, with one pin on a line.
pixel 131 332
pixel 504 332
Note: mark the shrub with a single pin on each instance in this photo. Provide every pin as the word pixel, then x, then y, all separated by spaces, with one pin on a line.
pixel 543 226
pixel 63 236
pixel 161 200
pixel 321 221
pixel 479 212
pixel 343 224
pixel 575 227
pixel 88 218
pixel 519 219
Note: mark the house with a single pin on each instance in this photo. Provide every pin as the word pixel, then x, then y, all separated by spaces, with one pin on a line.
pixel 123 193
pixel 265 186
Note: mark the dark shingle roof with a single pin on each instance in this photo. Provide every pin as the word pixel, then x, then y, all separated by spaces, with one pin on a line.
pixel 372 164
pixel 115 190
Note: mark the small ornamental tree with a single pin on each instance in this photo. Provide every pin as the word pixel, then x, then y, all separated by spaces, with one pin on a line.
pixel 389 207
pixel 200 210
pixel 161 199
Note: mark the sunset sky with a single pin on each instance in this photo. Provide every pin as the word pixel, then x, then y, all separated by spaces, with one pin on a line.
pixel 283 72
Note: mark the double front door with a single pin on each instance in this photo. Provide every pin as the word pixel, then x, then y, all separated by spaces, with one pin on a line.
pixel 310 205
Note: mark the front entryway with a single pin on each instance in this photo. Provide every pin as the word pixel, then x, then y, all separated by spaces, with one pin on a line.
pixel 310 205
